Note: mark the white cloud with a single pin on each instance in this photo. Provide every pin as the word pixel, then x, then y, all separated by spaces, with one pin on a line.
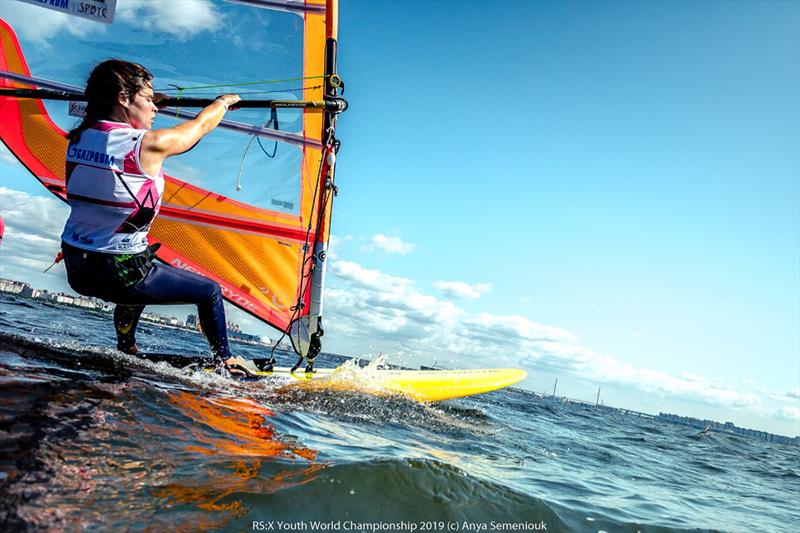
pixel 391 313
pixel 40 24
pixel 392 245
pixel 180 18
pixel 789 413
pixel 33 230
pixel 794 393
pixel 459 289
pixel 335 242
pixel 369 279
pixel 390 308
pixel 516 327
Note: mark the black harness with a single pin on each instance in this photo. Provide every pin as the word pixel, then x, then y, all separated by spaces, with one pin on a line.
pixel 99 274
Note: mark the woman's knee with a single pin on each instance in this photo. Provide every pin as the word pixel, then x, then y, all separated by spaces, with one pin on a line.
pixel 214 291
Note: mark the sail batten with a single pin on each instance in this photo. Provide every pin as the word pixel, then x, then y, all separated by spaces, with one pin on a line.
pixel 248 129
pixel 213 221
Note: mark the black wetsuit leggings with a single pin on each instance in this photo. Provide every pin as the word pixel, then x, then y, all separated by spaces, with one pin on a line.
pixel 166 284
pixel 163 284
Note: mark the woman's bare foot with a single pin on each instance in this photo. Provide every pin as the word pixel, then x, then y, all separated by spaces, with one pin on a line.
pixel 241 367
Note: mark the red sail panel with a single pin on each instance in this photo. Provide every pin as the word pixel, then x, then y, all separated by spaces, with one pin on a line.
pixel 25 127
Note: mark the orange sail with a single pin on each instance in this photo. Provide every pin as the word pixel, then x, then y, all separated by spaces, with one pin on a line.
pixel 253 212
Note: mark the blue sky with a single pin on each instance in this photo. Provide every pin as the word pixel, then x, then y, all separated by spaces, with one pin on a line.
pixel 607 193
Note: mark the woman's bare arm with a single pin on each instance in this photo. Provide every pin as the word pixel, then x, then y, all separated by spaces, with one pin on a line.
pixel 158 145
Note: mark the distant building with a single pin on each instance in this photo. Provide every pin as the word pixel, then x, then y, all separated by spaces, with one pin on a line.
pixel 250 339
pixel 153 317
pixel 39 294
pixel 86 302
pixel 161 319
pixel 727 427
pixel 191 321
pixel 48 296
pixel 11 286
pixel 65 299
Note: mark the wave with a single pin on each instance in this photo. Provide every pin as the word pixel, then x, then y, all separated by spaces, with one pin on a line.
pixel 156 446
pixel 395 490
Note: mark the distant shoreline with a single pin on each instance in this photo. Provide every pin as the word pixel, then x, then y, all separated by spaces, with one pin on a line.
pixel 25 290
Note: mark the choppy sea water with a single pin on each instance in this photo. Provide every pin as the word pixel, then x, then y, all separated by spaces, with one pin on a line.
pixel 93 440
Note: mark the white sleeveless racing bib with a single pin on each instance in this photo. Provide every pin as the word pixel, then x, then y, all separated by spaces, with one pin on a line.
pixel 113 201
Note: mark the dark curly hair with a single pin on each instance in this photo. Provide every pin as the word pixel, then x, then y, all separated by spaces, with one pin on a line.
pixel 106 81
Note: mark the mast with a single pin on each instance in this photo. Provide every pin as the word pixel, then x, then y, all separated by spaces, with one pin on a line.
pixel 325 207
pixel 306 333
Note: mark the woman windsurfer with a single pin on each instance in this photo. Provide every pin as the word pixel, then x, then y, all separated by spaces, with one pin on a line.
pixel 114 188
